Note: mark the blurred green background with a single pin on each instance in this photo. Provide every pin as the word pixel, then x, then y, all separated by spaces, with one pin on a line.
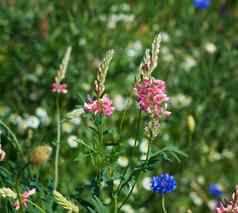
pixel 198 61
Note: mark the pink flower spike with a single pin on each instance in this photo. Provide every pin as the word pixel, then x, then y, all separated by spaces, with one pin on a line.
pixel 102 106
pixel 152 98
pixel 59 88
pixel 24 198
pixel 28 193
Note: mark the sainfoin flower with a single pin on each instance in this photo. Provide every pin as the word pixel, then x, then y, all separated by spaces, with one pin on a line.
pixel 24 198
pixel 102 106
pixel 229 206
pixel 202 4
pixel 59 88
pixel 215 190
pixel 163 183
pixel 152 98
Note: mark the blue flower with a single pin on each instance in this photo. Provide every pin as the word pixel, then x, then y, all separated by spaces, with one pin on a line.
pixel 215 190
pixel 202 4
pixel 163 183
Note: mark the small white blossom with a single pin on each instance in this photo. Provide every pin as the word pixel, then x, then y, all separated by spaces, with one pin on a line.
pixel 143 157
pixel 134 49
pixel 166 54
pixel 144 145
pixel 196 199
pixel 122 161
pixel 127 209
pixel 42 114
pixel 146 183
pixel 119 103
pixel 181 101
pixel 165 36
pixel 210 47
pixel 116 182
pixel 32 122
pixel 212 204
pixel 189 63
pixel 72 141
pixel 132 142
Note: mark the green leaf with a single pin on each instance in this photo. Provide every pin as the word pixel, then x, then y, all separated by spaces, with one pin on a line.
pixel 98 205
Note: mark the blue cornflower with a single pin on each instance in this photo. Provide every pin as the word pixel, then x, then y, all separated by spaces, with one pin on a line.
pixel 215 190
pixel 202 4
pixel 163 183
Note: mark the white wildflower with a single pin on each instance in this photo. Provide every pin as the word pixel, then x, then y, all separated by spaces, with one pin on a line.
pixel 122 161
pixel 196 199
pixel 189 63
pixel 32 122
pixel 146 183
pixel 181 101
pixel 127 208
pixel 210 47
pixel 132 142
pixel 165 37
pixel 42 114
pixel 72 141
pixel 144 145
pixel 119 103
pixel 212 204
pixel 134 49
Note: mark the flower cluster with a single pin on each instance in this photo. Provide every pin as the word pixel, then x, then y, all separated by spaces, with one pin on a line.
pixel 8 193
pixel 57 86
pixel 152 97
pixel 163 183
pixel 24 198
pixel 102 106
pixel 229 206
pixel 201 4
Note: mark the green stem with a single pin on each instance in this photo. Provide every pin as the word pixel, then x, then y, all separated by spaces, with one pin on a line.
pixel 115 204
pixel 19 195
pixel 148 151
pixel 18 146
pixel 138 128
pixel 163 204
pixel 131 190
pixel 38 207
pixel 129 194
pixel 57 143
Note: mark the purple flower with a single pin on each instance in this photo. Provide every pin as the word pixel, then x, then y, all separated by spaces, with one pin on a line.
pixel 202 4
pixel 163 183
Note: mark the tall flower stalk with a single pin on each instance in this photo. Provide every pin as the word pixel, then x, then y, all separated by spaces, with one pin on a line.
pixel 59 88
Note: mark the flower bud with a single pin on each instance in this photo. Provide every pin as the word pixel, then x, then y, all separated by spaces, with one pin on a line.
pixel 40 155
pixel 191 123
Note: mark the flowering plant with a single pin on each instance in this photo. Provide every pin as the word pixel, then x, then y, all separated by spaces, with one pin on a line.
pixel 110 186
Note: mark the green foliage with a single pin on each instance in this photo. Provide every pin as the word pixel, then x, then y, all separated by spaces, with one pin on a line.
pixel 201 81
